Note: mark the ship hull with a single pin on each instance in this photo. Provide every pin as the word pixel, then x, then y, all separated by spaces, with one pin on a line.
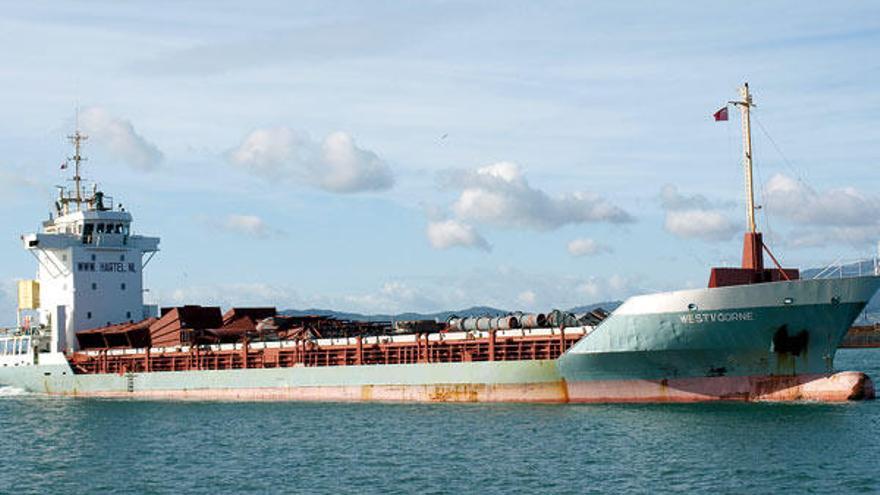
pixel 773 341
pixel 522 381
pixel 507 381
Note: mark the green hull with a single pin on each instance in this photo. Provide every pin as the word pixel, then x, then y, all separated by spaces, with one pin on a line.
pixel 782 328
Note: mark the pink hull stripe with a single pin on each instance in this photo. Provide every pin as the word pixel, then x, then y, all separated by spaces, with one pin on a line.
pixel 831 388
pixel 843 386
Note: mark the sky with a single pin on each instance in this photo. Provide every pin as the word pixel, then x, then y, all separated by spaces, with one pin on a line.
pixel 399 156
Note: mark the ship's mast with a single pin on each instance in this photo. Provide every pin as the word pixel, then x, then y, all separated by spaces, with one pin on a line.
pixel 752 269
pixel 745 106
pixel 77 138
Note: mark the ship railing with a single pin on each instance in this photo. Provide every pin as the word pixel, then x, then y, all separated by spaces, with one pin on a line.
pixel 513 347
pixel 842 268
pixel 33 330
pixel 350 341
pixel 15 345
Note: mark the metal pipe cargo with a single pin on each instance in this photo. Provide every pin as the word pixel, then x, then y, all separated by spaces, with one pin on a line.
pixel 533 320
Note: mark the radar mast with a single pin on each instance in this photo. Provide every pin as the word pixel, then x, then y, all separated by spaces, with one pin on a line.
pixel 77 138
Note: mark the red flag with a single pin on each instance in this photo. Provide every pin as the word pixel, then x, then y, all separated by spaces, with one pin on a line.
pixel 720 114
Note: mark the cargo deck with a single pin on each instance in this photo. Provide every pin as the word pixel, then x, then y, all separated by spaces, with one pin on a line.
pixel 452 347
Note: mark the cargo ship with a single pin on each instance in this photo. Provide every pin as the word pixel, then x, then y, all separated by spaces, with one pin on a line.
pixel 755 333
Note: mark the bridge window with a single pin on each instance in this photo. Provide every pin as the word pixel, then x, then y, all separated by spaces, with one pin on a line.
pixel 100 229
pixel 87 233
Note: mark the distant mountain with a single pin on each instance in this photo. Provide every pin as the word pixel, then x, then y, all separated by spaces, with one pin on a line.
pixel 439 316
pixel 606 305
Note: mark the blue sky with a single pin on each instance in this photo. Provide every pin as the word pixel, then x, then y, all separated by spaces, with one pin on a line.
pixel 394 156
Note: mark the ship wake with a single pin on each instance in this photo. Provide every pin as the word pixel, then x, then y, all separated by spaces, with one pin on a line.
pixel 6 391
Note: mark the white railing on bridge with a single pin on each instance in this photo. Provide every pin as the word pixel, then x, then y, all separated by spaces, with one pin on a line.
pixel 841 268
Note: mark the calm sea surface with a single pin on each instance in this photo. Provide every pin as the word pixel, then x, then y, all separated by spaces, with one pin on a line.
pixel 56 445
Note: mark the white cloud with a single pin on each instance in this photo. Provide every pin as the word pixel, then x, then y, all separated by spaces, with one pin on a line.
pixel 527 298
pixel 858 237
pixel 844 215
pixel 590 289
pixel 119 137
pixel 500 195
pixel 336 164
pixel 708 225
pixel 587 247
pixel 241 224
pixel 445 234
pixel 392 297
pixel 838 207
pixel 840 215
pixel 695 217
pixel 251 225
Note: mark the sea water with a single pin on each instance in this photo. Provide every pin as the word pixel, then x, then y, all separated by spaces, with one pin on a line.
pixel 64 445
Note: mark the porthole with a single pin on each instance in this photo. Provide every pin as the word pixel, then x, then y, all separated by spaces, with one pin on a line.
pixel 787 300
pixel 835 300
pixel 692 307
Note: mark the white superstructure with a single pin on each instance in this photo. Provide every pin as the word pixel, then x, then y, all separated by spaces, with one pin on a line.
pixel 89 263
